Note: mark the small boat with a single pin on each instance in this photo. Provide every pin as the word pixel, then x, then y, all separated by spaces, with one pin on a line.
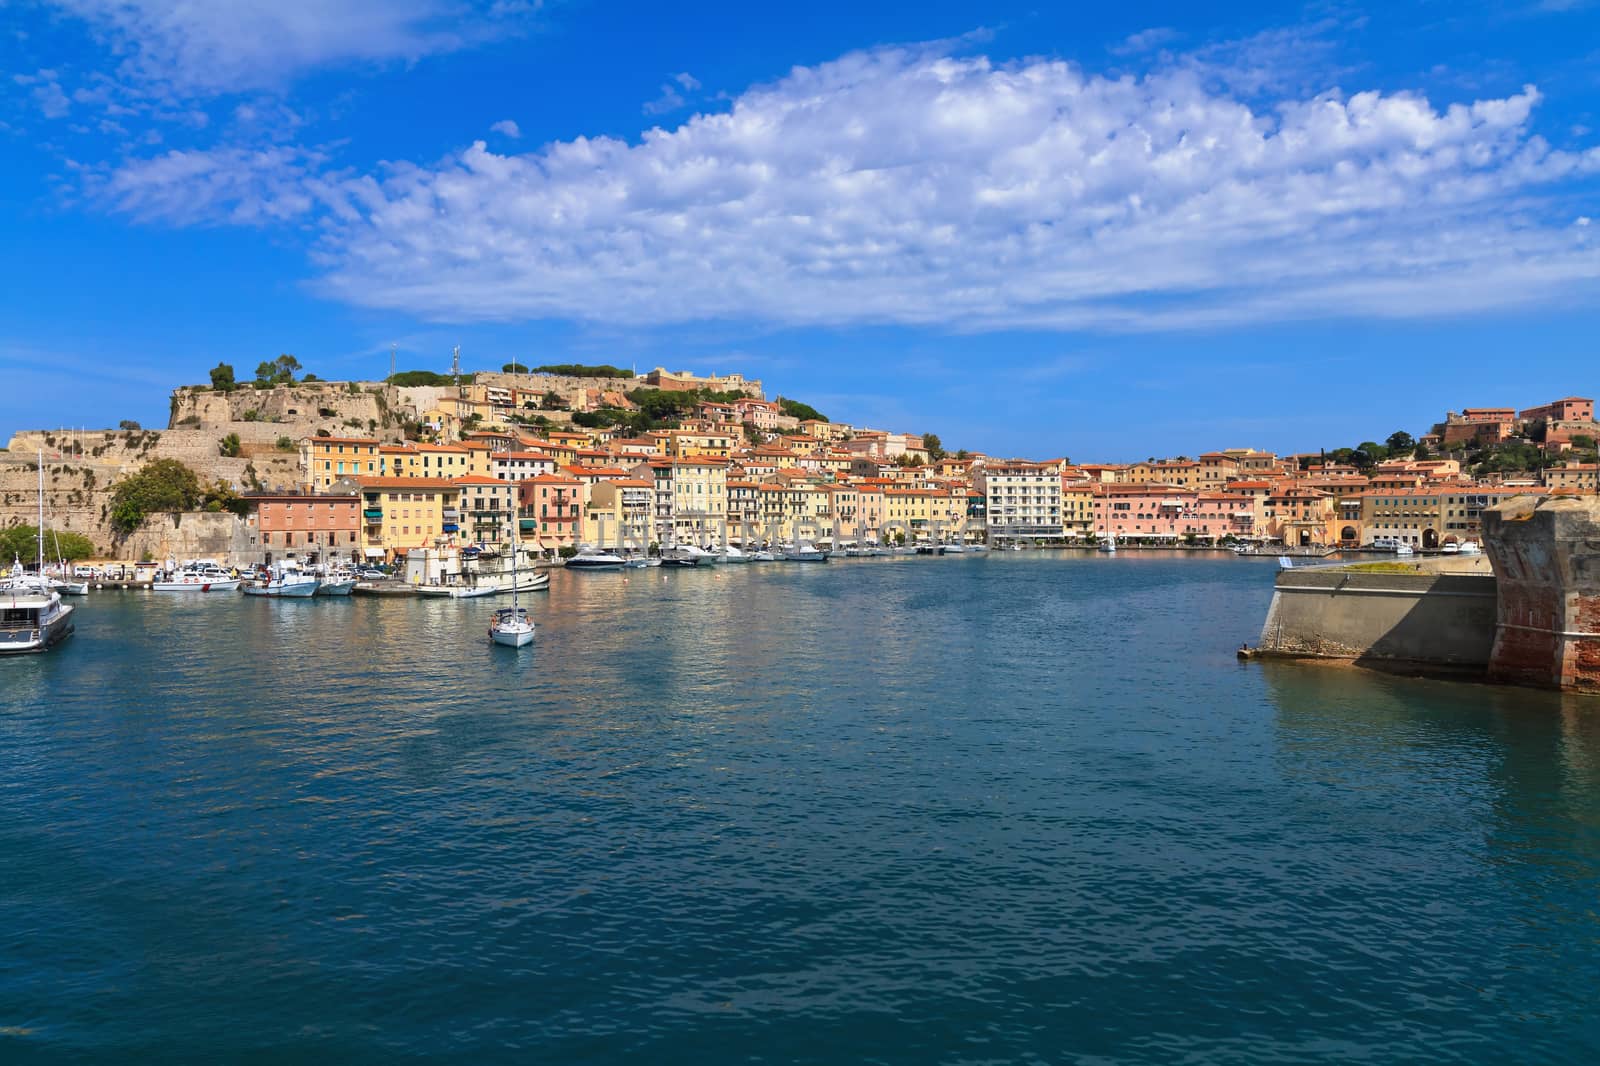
pixel 458 592
pixel 977 546
pixel 761 555
pixel 1451 548
pixel 1470 547
pixel 1108 544
pixel 731 554
pixel 637 562
pixel 805 552
pixel 954 549
pixel 337 582
pixel 702 556
pixel 283 583
pixel 70 588
pixel 1404 550
pixel 511 627
pixel 196 575
pixel 591 558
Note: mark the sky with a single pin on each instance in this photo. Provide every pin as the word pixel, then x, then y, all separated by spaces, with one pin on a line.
pixel 1103 232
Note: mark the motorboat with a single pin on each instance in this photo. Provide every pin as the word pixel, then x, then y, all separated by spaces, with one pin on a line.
pixel 591 558
pixel 32 616
pixel 1404 550
pixel 731 554
pixel 702 556
pixel 1470 547
pixel 1451 548
pixel 196 575
pixel 284 582
pixel 69 588
pixel 954 549
pixel 805 552
pixel 762 555
pixel 511 627
pixel 637 562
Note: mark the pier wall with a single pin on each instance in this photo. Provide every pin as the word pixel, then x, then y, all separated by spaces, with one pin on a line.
pixel 1442 620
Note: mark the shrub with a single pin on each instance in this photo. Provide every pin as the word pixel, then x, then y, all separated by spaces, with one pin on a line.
pixel 229 446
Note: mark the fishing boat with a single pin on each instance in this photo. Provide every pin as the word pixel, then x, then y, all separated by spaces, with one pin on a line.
pixel 591 558
pixel 511 627
pixel 196 575
pixel 283 582
pixel 32 616
pixel 337 581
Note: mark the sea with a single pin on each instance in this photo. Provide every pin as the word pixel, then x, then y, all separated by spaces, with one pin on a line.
pixel 1002 808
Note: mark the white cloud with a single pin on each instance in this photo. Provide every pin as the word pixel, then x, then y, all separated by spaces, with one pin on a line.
pixel 908 186
pixel 507 127
pixel 228 45
pixel 236 185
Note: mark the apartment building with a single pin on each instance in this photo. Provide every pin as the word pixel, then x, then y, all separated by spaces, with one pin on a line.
pixel 1023 500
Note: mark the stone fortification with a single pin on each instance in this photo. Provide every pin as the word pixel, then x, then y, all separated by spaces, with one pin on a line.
pixel 340 408
pixel 1546 557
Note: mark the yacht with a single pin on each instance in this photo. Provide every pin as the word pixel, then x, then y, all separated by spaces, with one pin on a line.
pixel 32 616
pixel 196 575
pixel 591 558
pixel 69 588
pixel 954 548
pixel 512 628
pixel 731 554
pixel 704 557
pixel 762 555
pixel 1470 547
pixel 1108 544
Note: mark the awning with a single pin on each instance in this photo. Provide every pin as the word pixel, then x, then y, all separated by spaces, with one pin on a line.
pixel 373 553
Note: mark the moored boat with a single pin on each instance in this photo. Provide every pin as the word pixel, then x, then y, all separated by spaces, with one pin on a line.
pixel 196 575
pixel 32 616
pixel 283 583
pixel 591 558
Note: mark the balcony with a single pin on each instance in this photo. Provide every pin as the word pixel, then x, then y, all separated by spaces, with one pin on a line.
pixel 452 514
pixel 374 515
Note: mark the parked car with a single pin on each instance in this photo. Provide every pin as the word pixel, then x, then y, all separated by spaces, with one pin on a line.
pixel 370 573
pixel 85 571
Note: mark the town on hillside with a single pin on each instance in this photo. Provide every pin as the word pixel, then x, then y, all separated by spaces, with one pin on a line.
pixel 557 457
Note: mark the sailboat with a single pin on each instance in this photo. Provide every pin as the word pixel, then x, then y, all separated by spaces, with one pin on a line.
pixel 32 616
pixel 511 626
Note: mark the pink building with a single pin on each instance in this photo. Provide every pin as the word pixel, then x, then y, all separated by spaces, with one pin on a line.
pixel 552 510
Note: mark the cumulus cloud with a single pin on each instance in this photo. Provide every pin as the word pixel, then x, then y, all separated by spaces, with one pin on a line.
pixel 914 187
pixel 228 45
pixel 507 128
pixel 907 187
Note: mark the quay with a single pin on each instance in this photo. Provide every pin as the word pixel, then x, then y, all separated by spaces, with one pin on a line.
pixel 1527 612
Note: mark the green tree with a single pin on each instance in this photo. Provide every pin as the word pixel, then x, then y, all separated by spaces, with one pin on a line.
pixel 229 446
pixel 934 446
pixel 222 378
pixel 963 455
pixel 21 542
pixel 802 411
pixel 513 368
pixel 1400 441
pixel 279 371
pixel 129 425
pixel 164 485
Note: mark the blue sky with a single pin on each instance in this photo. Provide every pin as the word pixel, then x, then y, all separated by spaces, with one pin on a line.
pixel 1101 231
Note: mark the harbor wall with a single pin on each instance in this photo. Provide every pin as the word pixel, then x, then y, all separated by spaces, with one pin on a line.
pixel 1424 618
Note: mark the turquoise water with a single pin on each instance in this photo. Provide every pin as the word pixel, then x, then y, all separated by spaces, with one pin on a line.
pixel 980 809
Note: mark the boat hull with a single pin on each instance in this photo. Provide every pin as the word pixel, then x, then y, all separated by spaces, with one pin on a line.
pixel 31 641
pixel 221 585
pixel 336 588
pixel 511 638
pixel 591 564
pixel 300 591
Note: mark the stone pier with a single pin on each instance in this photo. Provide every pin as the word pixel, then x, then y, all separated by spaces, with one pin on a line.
pixel 1546 558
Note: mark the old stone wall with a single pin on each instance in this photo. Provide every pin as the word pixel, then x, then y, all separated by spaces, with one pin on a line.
pixel 193 535
pixel 1546 557
pixel 339 408
pixel 1437 619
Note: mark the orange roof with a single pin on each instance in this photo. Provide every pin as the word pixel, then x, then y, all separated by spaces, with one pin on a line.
pixel 343 440
pixel 404 483
pixel 478 479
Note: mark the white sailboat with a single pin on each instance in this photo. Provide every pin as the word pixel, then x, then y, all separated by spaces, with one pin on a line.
pixel 512 628
pixel 32 616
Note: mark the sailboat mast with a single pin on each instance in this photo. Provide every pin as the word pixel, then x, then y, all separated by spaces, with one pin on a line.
pixel 41 513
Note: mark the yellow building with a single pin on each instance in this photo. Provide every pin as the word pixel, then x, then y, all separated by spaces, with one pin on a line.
pixel 324 460
pixel 691 498
pixel 402 513
pixel 686 444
